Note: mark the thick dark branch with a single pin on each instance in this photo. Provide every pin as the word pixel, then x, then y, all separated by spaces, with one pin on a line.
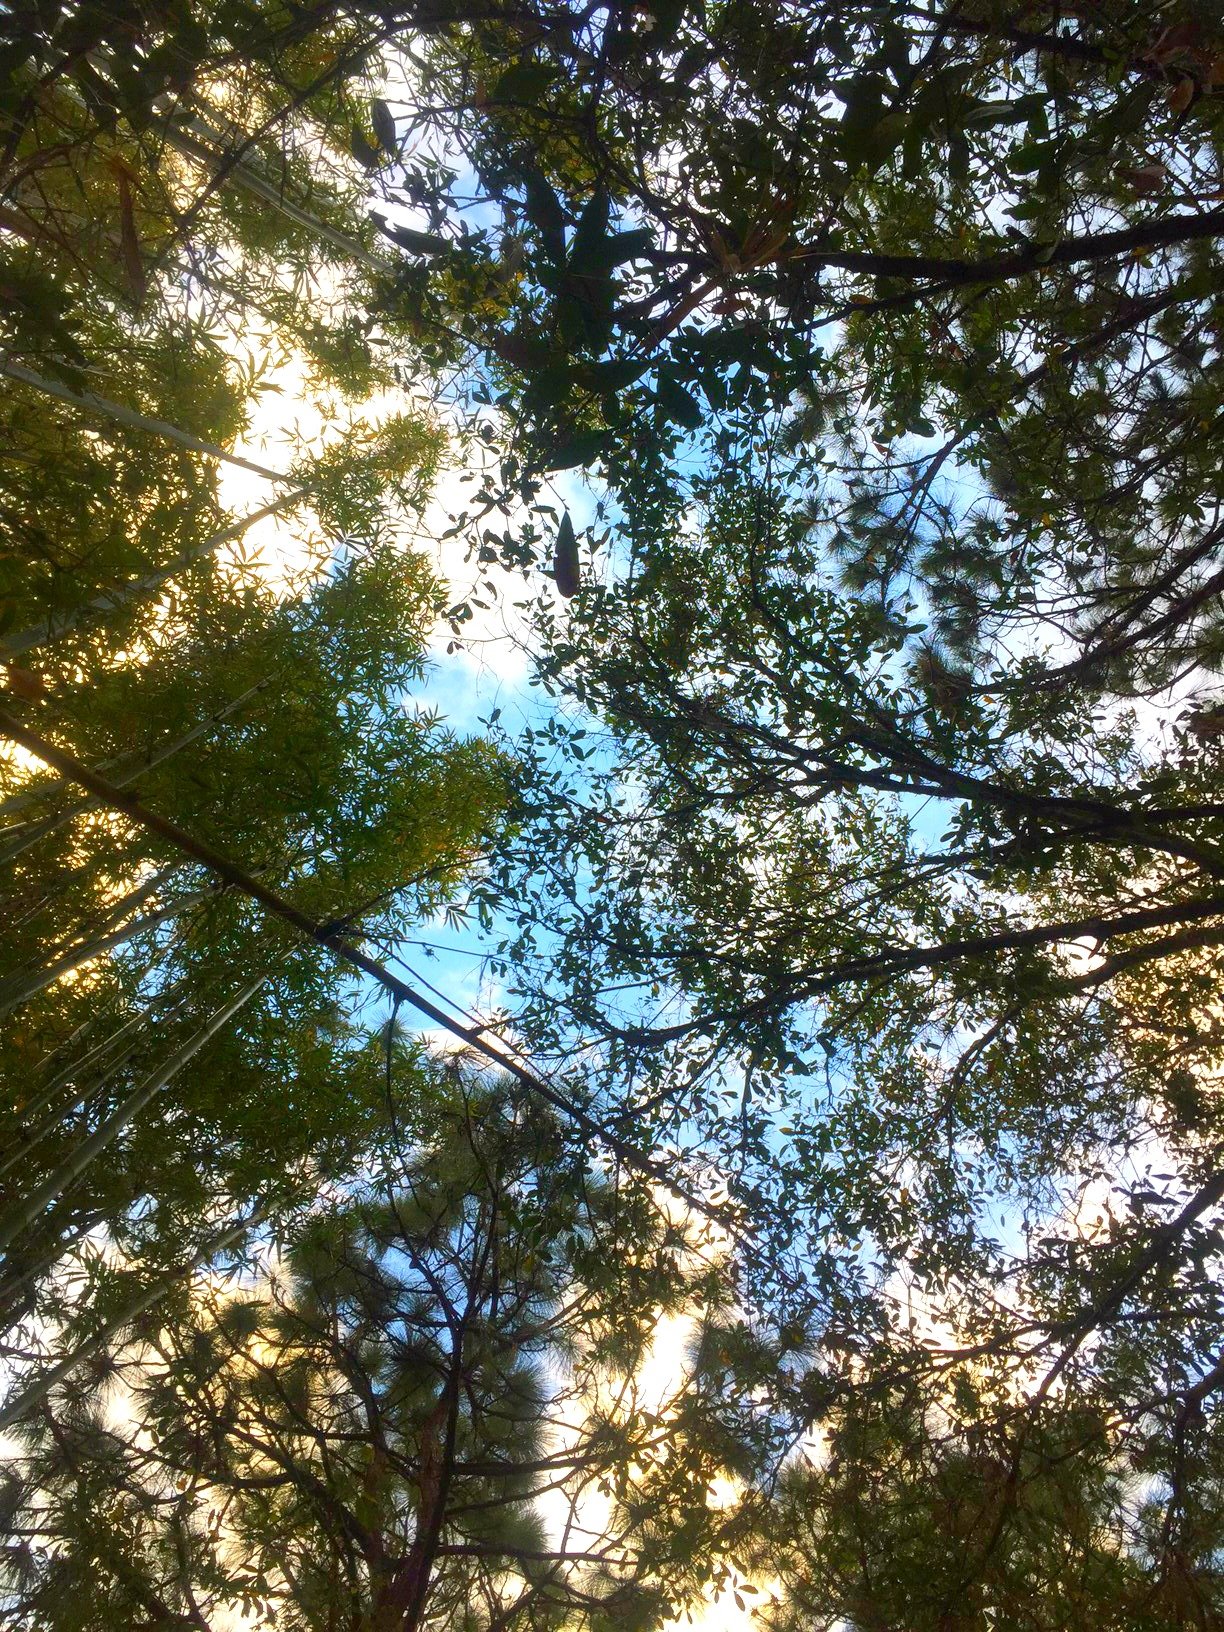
pixel 893 961
pixel 1100 246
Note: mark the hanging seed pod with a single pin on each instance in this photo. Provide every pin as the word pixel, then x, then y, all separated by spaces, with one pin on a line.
pixel 565 563
pixel 383 121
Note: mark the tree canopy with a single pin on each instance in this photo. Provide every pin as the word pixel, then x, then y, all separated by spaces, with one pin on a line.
pixel 842 383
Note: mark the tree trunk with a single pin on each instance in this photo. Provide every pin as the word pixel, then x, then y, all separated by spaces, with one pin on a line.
pixel 399 1605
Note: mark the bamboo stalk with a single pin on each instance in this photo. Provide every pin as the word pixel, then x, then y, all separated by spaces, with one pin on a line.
pixel 74 1165
pixel 244 176
pixel 475 1037
pixel 184 135
pixel 46 1097
pixel 133 420
pixel 87 1027
pixel 59 624
pixel 12 1287
pixel 113 915
pixel 20 989
pixel 49 824
pixel 81 1100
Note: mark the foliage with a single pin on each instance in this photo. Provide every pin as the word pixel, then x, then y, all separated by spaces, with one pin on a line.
pixel 905 1524
pixel 869 861
pixel 173 1061
pixel 995 236
pixel 419 1408
pixel 882 856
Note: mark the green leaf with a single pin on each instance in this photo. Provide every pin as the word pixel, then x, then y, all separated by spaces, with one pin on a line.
pixel 582 449
pixel 420 243
pixel 566 566
pixel 678 403
pixel 523 82
pixel 668 15
pixel 987 115
pixel 615 375
pixel 591 236
pixel 1026 160
pixel 619 247
pixel 544 211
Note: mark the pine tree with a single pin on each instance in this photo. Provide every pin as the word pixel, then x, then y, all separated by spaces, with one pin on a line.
pixel 417 1405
